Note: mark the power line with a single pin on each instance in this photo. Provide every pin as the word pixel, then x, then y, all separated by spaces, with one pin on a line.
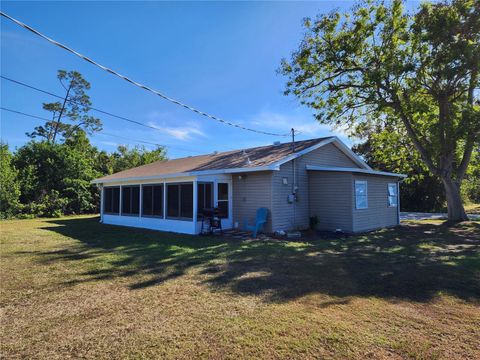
pixel 75 102
pixel 101 133
pixel 144 87
pixel 92 108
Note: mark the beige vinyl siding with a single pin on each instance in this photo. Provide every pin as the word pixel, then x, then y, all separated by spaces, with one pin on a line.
pixel 378 214
pixel 251 192
pixel 331 200
pixel 282 211
pixel 328 155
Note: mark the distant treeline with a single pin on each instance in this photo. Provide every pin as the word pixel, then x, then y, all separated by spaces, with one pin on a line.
pixel 46 179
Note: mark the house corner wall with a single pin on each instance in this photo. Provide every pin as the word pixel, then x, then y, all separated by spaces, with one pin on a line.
pixel 331 200
pixel 251 191
pixel 378 214
pixel 284 213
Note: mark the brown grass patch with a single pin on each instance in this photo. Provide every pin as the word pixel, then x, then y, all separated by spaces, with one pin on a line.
pixel 74 288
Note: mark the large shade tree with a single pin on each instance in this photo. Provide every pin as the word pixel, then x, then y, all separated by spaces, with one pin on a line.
pixel 417 72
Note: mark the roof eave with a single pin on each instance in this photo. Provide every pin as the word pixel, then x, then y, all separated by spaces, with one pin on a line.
pixel 355 170
pixel 189 173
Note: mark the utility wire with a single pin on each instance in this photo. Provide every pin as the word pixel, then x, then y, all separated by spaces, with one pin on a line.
pixel 101 133
pixel 17 82
pixel 75 102
pixel 92 108
pixel 144 87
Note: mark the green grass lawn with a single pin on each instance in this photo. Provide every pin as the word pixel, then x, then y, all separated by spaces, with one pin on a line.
pixel 472 208
pixel 73 288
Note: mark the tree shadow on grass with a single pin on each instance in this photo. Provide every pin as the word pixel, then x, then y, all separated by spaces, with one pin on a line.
pixel 414 262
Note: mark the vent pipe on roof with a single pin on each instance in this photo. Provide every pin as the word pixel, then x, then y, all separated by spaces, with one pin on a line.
pixel 276 143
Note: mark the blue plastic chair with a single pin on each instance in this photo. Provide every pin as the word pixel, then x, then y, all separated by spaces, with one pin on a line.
pixel 260 220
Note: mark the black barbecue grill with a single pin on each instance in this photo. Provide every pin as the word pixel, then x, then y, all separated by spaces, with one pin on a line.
pixel 211 221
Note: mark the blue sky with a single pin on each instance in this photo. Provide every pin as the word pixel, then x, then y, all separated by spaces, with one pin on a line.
pixel 220 57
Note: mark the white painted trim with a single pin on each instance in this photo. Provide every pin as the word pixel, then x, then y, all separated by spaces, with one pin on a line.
pixel 355 170
pixel 398 200
pixel 188 174
pixel 102 203
pixel 178 226
pixel 195 201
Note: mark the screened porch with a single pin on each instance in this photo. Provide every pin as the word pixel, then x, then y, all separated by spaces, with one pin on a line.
pixel 169 205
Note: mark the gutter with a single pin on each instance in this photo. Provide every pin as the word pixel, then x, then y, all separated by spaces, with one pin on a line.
pixel 354 170
pixel 273 167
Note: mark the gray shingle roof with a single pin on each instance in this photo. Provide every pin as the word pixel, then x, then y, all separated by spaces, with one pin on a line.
pixel 242 158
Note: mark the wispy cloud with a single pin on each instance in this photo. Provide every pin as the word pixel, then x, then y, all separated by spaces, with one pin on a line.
pixel 184 133
pixel 188 131
pixel 303 123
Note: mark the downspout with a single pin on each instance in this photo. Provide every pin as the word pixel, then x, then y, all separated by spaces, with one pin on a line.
pixel 398 201
pixel 294 185
pixel 101 202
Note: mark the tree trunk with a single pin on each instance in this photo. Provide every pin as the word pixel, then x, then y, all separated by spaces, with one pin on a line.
pixel 456 212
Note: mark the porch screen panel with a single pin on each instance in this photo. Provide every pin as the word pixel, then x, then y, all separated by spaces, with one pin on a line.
pixel 130 200
pixel 186 201
pixel 147 200
pixel 111 200
pixel 126 200
pixel 107 200
pixel 180 201
pixel 152 200
pixel 173 203
pixel 204 196
pixel 158 200
pixel 116 200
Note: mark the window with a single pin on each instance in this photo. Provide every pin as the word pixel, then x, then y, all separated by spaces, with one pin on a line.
pixel 152 200
pixel 130 200
pixel 392 195
pixel 111 200
pixel 361 196
pixel 222 200
pixel 180 200
pixel 204 196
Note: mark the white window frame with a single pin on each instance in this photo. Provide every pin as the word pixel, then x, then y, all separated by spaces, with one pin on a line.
pixel 361 182
pixel 393 196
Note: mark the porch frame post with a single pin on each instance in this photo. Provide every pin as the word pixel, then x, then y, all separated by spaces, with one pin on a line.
pixel 195 204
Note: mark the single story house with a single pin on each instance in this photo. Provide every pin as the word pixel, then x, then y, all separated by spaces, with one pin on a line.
pixel 318 177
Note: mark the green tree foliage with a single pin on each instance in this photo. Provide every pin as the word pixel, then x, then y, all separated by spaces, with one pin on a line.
pixel 387 150
pixel 126 158
pixel 71 114
pixel 54 179
pixel 471 188
pixel 418 73
pixel 57 175
pixel 50 178
pixel 9 186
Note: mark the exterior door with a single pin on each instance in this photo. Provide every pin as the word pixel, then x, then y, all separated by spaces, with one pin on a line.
pixel 224 203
